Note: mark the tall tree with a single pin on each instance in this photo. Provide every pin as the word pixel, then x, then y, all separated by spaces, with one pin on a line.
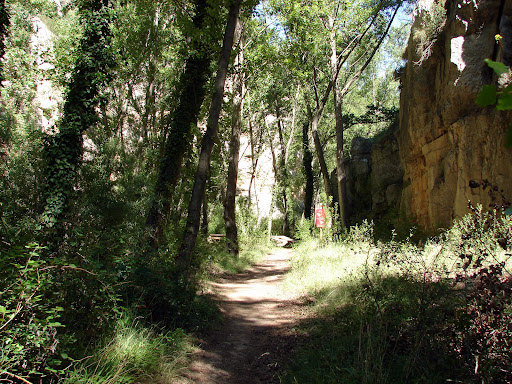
pixel 64 150
pixel 190 95
pixel 184 260
pixel 234 150
pixel 352 39
pixel 351 75
pixel 282 170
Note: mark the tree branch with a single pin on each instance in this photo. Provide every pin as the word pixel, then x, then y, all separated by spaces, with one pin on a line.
pixel 358 73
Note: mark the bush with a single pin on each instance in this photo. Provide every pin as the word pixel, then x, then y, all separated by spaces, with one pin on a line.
pixel 29 316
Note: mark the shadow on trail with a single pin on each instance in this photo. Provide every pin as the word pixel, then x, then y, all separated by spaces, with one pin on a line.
pixel 258 335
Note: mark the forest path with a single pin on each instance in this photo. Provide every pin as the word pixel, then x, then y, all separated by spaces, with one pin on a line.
pixel 257 335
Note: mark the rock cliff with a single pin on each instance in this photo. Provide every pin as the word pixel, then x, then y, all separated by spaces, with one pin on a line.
pixel 374 177
pixel 445 139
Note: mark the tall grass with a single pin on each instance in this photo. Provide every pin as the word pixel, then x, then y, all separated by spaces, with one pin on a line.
pixel 134 353
pixel 396 312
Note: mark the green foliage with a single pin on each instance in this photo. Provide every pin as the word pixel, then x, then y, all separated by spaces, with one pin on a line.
pixel 63 150
pixel 397 313
pixel 497 67
pixel 432 23
pixel 502 99
pixel 29 315
pixel 58 302
pixel 489 95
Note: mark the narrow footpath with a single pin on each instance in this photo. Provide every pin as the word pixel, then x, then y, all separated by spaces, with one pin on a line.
pixel 258 335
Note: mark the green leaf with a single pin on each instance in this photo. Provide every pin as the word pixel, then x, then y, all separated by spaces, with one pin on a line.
pixel 3 310
pixel 498 67
pixel 504 102
pixel 508 211
pixel 487 96
pixel 508 137
pixel 55 324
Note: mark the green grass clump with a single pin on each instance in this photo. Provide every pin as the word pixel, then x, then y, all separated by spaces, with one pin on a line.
pixel 134 354
pixel 396 312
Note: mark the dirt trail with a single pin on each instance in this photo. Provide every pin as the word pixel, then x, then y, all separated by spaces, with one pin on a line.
pixel 257 335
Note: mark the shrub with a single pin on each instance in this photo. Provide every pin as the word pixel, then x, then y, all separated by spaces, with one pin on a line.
pixel 29 318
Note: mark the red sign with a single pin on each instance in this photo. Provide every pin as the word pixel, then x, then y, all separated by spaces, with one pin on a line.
pixel 320 218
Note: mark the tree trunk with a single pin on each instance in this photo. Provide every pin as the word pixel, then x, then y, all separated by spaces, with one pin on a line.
pixel 184 260
pixel 283 174
pixel 204 221
pixel 319 150
pixel 340 161
pixel 273 192
pixel 340 166
pixel 191 91
pixel 234 153
pixel 308 172
pixel 254 165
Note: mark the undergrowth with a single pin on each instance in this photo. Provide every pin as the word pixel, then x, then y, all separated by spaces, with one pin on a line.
pixel 396 312
pixel 134 353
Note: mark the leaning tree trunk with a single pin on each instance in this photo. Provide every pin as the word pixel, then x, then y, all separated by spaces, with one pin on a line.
pixel 234 153
pixel 63 151
pixel 191 91
pixel 314 119
pixel 320 155
pixel 307 161
pixel 184 260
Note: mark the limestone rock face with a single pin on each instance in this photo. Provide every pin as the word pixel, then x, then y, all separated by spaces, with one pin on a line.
pixel 374 176
pixel 387 174
pixel 445 139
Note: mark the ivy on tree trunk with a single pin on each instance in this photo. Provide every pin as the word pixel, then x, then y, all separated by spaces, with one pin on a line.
pixel 63 151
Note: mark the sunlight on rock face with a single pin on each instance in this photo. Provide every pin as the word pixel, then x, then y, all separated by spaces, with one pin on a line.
pixel 456 52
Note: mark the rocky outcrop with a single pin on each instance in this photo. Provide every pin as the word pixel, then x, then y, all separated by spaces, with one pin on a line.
pixel 374 177
pixel 358 170
pixel 387 174
pixel 48 98
pixel 445 139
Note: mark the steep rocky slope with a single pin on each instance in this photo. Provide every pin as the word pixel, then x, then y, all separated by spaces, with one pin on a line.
pixel 445 139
